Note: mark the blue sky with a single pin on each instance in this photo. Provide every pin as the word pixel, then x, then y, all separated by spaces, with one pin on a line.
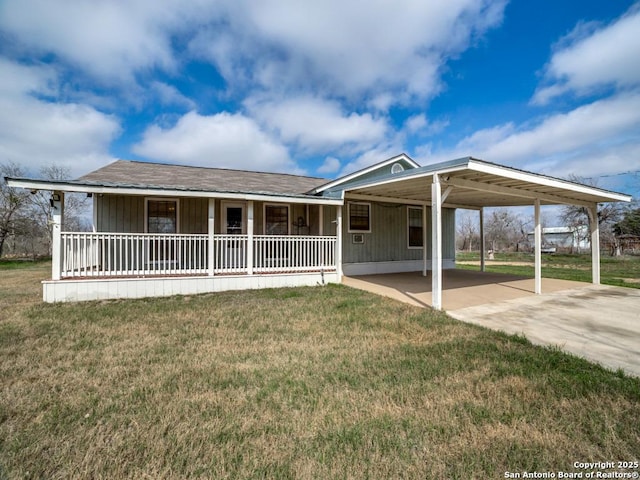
pixel 323 88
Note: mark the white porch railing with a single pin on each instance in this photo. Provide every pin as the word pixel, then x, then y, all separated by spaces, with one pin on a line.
pixel 91 254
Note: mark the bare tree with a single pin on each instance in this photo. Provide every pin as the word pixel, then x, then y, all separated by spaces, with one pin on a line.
pixel 468 232
pixel 13 203
pixel 608 215
pixel 503 229
pixel 74 205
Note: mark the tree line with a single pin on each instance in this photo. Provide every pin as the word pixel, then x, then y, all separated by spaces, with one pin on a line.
pixel 25 217
pixel 508 231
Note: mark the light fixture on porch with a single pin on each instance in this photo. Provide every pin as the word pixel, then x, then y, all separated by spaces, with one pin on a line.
pixel 54 198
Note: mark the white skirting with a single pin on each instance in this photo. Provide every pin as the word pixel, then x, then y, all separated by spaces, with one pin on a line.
pixel 374 268
pixel 111 288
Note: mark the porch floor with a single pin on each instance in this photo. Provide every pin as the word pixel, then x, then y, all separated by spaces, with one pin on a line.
pixel 461 288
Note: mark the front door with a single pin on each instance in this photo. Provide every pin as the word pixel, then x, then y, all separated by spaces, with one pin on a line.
pixel 234 218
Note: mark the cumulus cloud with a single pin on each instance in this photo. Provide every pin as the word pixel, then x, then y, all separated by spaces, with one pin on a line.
pixel 35 132
pixel 344 49
pixel 222 140
pixel 109 40
pixel 591 58
pixel 330 165
pixel 170 95
pixel 598 130
pixel 315 125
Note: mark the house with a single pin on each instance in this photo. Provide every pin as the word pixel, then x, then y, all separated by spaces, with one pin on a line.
pixel 168 229
pixel 572 239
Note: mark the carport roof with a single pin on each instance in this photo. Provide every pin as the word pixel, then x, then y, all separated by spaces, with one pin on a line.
pixel 474 183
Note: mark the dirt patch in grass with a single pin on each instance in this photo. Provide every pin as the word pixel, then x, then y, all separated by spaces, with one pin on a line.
pixel 319 382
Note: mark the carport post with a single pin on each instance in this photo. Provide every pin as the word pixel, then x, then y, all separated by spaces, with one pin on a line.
pixel 482 245
pixel 538 247
pixel 424 240
pixel 436 243
pixel 595 244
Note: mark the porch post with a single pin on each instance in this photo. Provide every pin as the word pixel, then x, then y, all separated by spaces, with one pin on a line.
pixel 424 240
pixel 482 244
pixel 339 242
pixel 320 220
pixel 538 247
pixel 57 203
pixel 211 222
pixel 436 243
pixel 250 237
pixel 595 244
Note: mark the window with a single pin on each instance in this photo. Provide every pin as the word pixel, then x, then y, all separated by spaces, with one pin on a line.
pixel 359 217
pixel 162 216
pixel 276 219
pixel 414 225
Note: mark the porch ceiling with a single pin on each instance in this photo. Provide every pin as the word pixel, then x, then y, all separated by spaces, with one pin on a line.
pixel 474 183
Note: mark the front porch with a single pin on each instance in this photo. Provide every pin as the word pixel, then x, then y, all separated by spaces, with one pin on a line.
pixel 98 266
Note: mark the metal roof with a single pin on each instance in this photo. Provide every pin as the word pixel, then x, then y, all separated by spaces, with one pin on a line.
pixel 476 183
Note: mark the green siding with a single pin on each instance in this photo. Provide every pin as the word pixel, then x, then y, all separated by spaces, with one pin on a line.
pixel 387 241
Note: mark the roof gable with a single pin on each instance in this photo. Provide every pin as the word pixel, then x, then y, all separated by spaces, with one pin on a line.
pixel 393 165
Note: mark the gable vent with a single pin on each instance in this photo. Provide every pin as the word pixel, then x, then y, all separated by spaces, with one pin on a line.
pixel 397 168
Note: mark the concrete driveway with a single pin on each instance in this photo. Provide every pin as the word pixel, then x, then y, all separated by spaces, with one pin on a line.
pixel 600 323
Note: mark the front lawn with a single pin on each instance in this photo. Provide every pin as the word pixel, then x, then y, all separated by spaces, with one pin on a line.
pixel 324 382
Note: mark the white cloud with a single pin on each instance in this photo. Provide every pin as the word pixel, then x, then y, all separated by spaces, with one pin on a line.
pixel 330 165
pixel 222 140
pixel 588 140
pixel 344 49
pixel 35 132
pixel 607 56
pixel 419 124
pixel 170 95
pixel 319 126
pixel 108 39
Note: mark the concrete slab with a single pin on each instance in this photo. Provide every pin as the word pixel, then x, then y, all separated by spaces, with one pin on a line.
pixel 461 288
pixel 597 322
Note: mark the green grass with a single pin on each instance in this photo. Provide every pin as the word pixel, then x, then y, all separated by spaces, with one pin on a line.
pixel 619 271
pixel 12 264
pixel 325 382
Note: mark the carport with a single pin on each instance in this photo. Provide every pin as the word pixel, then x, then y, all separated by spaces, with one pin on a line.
pixel 475 184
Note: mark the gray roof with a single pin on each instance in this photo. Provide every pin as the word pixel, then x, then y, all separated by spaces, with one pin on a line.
pixel 158 175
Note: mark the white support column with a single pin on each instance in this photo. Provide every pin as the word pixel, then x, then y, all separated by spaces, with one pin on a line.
pixel 339 242
pixel 482 244
pixel 211 227
pixel 538 247
pixel 424 240
pixel 321 220
pixel 57 203
pixel 250 237
pixel 595 244
pixel 436 243
pixel 94 219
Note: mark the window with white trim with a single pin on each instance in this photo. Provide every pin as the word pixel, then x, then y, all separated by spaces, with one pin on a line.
pixel 414 227
pixel 162 215
pixel 359 217
pixel 276 219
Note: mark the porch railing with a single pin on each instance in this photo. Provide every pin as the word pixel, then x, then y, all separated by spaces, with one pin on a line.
pixel 91 254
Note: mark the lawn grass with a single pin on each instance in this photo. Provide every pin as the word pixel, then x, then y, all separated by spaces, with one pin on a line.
pixel 324 382
pixel 621 271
